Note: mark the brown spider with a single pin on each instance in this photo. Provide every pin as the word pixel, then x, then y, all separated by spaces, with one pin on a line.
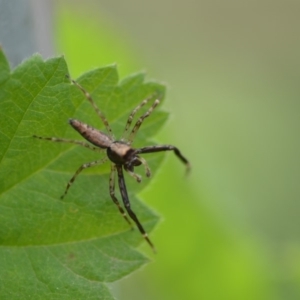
pixel 119 152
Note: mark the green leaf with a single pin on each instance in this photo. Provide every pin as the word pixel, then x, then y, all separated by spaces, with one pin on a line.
pixel 71 248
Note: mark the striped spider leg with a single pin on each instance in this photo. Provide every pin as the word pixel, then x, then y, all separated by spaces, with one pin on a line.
pixel 119 153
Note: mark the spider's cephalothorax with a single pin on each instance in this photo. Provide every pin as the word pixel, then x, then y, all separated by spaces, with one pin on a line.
pixel 119 152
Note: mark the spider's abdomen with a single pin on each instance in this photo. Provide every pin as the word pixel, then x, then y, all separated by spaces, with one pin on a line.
pixel 94 136
pixel 119 152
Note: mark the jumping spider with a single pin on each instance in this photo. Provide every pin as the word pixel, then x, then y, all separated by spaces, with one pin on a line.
pixel 119 152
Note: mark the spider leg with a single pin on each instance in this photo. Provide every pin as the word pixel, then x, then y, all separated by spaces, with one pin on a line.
pixel 140 121
pixel 126 202
pixel 112 193
pixel 98 111
pixel 82 167
pixel 130 118
pixel 159 148
pixel 61 140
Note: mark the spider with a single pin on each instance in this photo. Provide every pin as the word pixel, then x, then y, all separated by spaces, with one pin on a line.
pixel 119 153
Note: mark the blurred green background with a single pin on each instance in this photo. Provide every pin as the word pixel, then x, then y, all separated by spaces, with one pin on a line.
pixel 231 230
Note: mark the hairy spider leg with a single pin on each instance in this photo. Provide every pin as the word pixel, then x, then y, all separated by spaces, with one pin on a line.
pixel 140 121
pixel 82 167
pixel 158 148
pixel 112 193
pixel 98 111
pixel 130 118
pixel 126 202
pixel 61 140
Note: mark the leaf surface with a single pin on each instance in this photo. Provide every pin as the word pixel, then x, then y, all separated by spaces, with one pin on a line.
pixel 70 248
